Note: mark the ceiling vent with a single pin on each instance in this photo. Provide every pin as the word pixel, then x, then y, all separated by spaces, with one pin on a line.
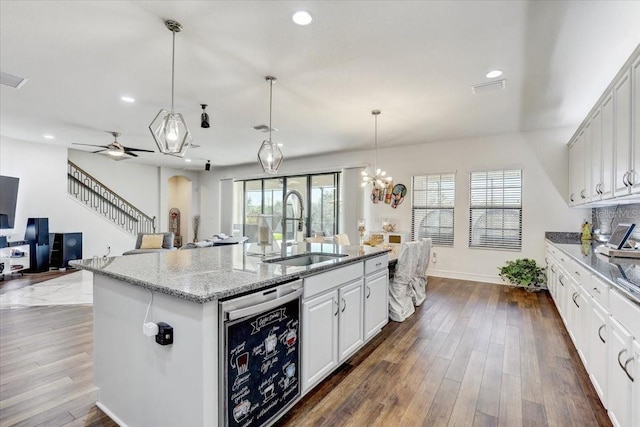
pixel 11 80
pixel 264 128
pixel 488 87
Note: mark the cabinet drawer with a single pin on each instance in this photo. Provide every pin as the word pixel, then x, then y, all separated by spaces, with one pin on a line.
pixel 625 312
pixel 315 285
pixel 374 264
pixel 579 273
pixel 600 291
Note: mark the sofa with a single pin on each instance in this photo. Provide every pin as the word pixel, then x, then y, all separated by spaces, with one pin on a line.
pixel 152 242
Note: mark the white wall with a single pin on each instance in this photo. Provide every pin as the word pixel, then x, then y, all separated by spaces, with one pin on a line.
pixel 42 169
pixel 542 155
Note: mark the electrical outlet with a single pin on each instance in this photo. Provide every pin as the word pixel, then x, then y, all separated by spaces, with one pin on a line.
pixel 434 257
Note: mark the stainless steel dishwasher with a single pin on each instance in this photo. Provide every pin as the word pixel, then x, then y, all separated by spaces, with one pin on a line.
pixel 259 355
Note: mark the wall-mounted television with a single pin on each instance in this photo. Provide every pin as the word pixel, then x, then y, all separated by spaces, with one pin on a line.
pixel 8 200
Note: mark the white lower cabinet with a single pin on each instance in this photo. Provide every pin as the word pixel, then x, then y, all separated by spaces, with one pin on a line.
pixel 320 338
pixel 605 328
pixel 376 302
pixel 620 384
pixel 597 338
pixel 333 330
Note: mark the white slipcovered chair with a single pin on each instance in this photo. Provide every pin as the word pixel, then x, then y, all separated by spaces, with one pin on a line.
pixel 419 280
pixel 341 239
pixel 401 303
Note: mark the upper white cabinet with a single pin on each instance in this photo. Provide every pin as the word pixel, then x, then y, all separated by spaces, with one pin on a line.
pixel 635 124
pixel 622 131
pixel 604 153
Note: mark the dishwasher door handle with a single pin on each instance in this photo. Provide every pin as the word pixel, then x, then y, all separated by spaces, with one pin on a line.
pixel 264 306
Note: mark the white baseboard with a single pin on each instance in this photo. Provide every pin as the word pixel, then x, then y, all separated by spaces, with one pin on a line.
pixel 486 278
pixel 110 414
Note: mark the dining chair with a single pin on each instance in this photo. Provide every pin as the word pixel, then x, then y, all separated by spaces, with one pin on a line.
pixel 401 303
pixel 419 280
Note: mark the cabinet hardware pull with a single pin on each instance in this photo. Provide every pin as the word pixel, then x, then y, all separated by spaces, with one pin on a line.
pixel 624 179
pixel 378 264
pixel 599 332
pixel 369 294
pixel 597 290
pixel 562 259
pixel 571 197
pixel 582 194
pixel 337 307
pixel 626 371
pixel 345 305
pixel 560 279
pixel 553 269
pixel 631 173
pixel 577 273
pixel 575 295
pixel 624 366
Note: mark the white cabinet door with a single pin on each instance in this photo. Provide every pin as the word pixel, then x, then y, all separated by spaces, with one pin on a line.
pixel 351 319
pixel 563 294
pixel 586 192
pixel 596 155
pixel 376 303
pixel 635 373
pixel 622 132
pixel 597 338
pixel 606 190
pixel 576 170
pixel 635 141
pixel 320 338
pixel 620 385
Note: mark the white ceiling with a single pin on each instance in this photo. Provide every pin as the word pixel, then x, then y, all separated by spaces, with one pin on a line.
pixel 414 60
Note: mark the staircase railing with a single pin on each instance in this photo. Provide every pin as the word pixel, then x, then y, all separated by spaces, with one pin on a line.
pixel 106 202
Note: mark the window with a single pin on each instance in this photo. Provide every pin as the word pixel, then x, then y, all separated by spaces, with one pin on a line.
pixel 432 210
pixel 265 196
pixel 495 209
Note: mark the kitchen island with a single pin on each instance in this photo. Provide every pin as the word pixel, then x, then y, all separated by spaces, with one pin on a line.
pixel 143 383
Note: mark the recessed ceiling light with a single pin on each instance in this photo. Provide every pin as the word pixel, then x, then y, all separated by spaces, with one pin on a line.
pixel 302 17
pixel 48 137
pixel 187 160
pixel 128 99
pixel 494 73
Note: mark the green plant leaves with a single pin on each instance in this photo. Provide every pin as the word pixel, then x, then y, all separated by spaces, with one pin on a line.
pixel 523 272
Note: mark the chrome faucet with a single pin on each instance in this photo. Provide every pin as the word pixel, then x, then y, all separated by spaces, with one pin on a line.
pixel 285 219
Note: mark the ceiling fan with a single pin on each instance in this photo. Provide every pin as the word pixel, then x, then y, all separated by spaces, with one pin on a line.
pixel 116 149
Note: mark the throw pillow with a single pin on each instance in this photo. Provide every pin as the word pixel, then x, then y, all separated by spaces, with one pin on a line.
pixel 151 241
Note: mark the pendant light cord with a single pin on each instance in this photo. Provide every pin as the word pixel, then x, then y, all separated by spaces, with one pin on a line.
pixel 173 66
pixel 375 161
pixel 270 105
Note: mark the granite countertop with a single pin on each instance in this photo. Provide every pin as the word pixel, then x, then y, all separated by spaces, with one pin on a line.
pixel 608 269
pixel 207 274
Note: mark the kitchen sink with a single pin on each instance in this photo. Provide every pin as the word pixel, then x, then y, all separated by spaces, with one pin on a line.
pixel 305 259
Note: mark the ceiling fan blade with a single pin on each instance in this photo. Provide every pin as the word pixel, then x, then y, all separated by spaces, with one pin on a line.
pixel 99 151
pixel 127 149
pixel 91 145
pixel 128 152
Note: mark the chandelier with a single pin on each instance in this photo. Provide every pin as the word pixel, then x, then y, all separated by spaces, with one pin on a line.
pixel 169 129
pixel 378 178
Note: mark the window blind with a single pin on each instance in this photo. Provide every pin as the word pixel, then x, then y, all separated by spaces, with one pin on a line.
pixel 495 214
pixel 432 211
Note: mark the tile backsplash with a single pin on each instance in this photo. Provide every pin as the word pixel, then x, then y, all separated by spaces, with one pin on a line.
pixel 607 218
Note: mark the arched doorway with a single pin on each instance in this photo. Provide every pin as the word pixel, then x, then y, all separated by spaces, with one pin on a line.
pixel 179 197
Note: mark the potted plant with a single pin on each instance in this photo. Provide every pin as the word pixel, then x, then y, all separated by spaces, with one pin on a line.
pixel 525 273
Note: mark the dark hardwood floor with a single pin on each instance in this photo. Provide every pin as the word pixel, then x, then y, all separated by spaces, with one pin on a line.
pixel 473 355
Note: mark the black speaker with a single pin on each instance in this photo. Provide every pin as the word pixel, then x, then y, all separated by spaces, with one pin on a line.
pixel 37 231
pixel 65 247
pixel 37 234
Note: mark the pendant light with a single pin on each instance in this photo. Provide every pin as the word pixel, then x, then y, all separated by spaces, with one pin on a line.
pixel 269 155
pixel 169 129
pixel 378 178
